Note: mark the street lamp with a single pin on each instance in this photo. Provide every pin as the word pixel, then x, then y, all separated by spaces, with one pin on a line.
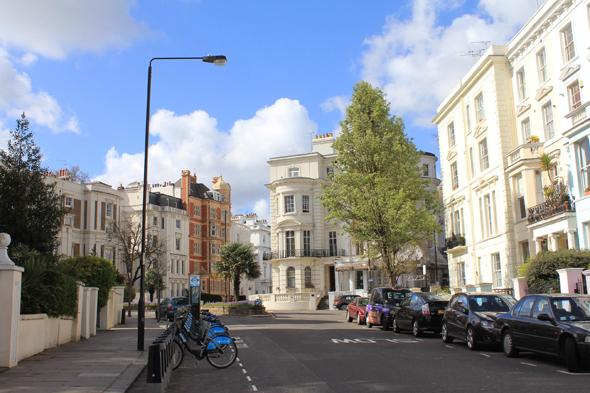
pixel 219 61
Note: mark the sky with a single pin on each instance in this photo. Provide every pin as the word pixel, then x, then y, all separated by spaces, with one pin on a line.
pixel 79 70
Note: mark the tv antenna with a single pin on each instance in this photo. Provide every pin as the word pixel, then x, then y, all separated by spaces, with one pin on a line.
pixel 477 53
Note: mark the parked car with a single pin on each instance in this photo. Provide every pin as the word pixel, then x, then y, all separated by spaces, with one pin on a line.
pixel 420 312
pixel 356 310
pixel 554 324
pixel 383 302
pixel 470 317
pixel 341 302
pixel 168 307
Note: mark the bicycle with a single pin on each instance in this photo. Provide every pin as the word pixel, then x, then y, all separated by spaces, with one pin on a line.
pixel 219 349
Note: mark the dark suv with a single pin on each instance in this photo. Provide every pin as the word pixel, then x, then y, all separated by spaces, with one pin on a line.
pixel 383 303
pixel 342 302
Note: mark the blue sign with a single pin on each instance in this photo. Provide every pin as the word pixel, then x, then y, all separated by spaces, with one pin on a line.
pixel 370 280
pixel 195 281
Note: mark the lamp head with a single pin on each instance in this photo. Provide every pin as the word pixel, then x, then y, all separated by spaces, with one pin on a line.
pixel 217 60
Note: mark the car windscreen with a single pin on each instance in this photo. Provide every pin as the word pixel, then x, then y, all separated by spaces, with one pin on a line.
pixel 491 303
pixel 363 302
pixel 391 297
pixel 433 297
pixel 571 309
pixel 179 301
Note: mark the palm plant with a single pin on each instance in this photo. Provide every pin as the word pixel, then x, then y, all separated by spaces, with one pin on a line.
pixel 237 261
pixel 547 164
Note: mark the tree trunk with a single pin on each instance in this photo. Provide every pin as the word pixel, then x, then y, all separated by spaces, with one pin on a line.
pixel 129 301
pixel 386 264
pixel 237 288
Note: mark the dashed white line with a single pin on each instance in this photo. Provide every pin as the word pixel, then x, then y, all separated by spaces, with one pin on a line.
pixel 568 373
pixel 528 364
pixel 244 371
pixel 448 346
pixel 485 354
pixel 254 388
pixel 249 379
pixel 240 364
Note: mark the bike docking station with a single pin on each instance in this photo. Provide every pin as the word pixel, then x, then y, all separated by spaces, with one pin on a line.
pixel 159 366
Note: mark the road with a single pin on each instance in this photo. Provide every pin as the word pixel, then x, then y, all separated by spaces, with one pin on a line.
pixel 319 352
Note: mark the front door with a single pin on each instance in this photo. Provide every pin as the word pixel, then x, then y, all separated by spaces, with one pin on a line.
pixel 332 279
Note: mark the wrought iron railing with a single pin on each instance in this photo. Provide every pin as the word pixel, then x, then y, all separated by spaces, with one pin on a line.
pixel 557 201
pixel 309 253
pixel 266 256
pixel 454 241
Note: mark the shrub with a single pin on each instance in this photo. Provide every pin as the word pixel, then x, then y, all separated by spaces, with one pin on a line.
pixel 128 289
pixel 541 272
pixel 94 272
pixel 209 298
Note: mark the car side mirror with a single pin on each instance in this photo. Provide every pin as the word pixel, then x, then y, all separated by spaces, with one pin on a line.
pixel 463 309
pixel 545 317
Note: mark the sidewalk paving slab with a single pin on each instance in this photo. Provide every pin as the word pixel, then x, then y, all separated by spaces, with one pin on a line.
pixel 107 363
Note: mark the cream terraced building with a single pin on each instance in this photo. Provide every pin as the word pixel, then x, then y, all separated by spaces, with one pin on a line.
pixel 519 101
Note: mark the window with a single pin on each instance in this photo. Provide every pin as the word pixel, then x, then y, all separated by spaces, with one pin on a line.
pixel 177 244
pixel 521 84
pixel 497 266
pixel 289 204
pixel 290 277
pixel 177 267
pixel 263 239
pixel 457 222
pixel 451 134
pixel 548 121
pixel 567 42
pixel 108 253
pixel 215 249
pixel 480 114
pixel 222 197
pixel 177 224
pixel 333 244
pixel 155 221
pixel 237 237
pixel 305 203
pixel 541 307
pixel 223 233
pixel 109 212
pixel 214 230
pixel 171 266
pixel 525 126
pixel 527 306
pixel 454 175
pixel 293 172
pixel 471 159
pixel 461 274
pixel 290 243
pixel 197 230
pixel 483 155
pixel 583 149
pixel 197 211
pixel 308 277
pixel 306 243
pixel 542 66
pixel 488 214
pixel 213 213
pixel 196 248
pixel 329 171
pixel 519 191
pixel 573 93
pixel 524 248
pixel 69 221
pixel 162 220
pixel 468 116
pixel 224 215
pixel 425 170
pixel 69 202
pixel 181 267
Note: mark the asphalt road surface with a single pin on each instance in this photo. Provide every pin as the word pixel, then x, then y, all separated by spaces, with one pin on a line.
pixel 319 352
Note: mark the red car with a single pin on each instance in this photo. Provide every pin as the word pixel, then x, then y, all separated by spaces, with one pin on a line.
pixel 356 310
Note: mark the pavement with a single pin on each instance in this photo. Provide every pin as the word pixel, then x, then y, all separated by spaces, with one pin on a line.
pixel 108 362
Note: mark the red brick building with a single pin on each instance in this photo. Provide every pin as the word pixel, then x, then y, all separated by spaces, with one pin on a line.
pixel 209 223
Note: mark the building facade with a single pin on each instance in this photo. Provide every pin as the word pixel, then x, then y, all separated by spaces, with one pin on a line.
pixel 510 111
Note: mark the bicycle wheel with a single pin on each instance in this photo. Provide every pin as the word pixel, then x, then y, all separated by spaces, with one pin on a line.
pixel 177 354
pixel 224 356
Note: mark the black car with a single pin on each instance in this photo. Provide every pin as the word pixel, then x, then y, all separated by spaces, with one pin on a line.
pixel 342 302
pixel 383 303
pixel 423 311
pixel 554 324
pixel 470 317
pixel 168 307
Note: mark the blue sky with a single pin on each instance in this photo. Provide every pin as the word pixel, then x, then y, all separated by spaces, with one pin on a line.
pixel 79 70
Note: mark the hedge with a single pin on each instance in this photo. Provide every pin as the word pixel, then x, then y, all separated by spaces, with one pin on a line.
pixel 94 272
pixel 541 271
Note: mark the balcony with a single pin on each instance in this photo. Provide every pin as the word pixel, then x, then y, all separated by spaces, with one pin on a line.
pixel 557 201
pixel 454 241
pixel 308 253
pixel 266 256
pixel 578 115
pixel 525 152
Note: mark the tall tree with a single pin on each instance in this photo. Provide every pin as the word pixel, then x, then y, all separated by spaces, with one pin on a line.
pixel 30 209
pixel 126 235
pixel 237 261
pixel 377 193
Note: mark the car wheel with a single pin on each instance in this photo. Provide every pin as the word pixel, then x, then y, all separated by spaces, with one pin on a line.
pixel 358 319
pixel 508 344
pixel 343 307
pixel 572 359
pixel 385 322
pixel 369 324
pixel 444 333
pixel 348 318
pixel 471 343
pixel 395 327
pixel 416 328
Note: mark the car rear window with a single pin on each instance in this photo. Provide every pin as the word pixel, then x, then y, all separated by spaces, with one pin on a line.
pixel 180 301
pixel 432 297
pixel 363 302
pixel 395 297
pixel 490 303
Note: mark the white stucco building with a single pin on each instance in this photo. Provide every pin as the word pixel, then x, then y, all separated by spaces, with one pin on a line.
pixel 519 101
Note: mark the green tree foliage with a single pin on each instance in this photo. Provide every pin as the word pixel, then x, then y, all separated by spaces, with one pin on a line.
pixel 154 279
pixel 30 209
pixel 94 272
pixel 45 287
pixel 130 292
pixel 541 271
pixel 377 194
pixel 237 261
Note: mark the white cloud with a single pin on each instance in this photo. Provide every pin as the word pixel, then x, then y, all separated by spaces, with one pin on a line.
pixel 54 29
pixel 193 142
pixel 262 209
pixel 28 59
pixel 339 103
pixel 416 61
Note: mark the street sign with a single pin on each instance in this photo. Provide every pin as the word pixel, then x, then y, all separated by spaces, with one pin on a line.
pixel 195 281
pixel 370 280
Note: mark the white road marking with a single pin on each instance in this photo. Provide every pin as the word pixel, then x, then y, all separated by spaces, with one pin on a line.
pixel 244 371
pixel 249 379
pixel 240 364
pixel 448 346
pixel 485 354
pixel 568 373
pixel 528 364
pixel 254 388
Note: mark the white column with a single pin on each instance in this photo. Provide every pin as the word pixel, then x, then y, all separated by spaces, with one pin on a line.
pixel 586 274
pixel 337 279
pixel 552 242
pixel 571 239
pixel 539 243
pixel 351 277
pixel 365 282
pixel 10 293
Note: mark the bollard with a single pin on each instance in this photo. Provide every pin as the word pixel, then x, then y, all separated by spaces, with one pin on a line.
pixel 154 370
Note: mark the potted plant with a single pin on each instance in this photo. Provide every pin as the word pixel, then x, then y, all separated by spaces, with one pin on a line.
pixel 565 199
pixel 587 191
pixel 533 139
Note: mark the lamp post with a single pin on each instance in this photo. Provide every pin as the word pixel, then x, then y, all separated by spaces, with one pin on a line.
pixel 217 60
